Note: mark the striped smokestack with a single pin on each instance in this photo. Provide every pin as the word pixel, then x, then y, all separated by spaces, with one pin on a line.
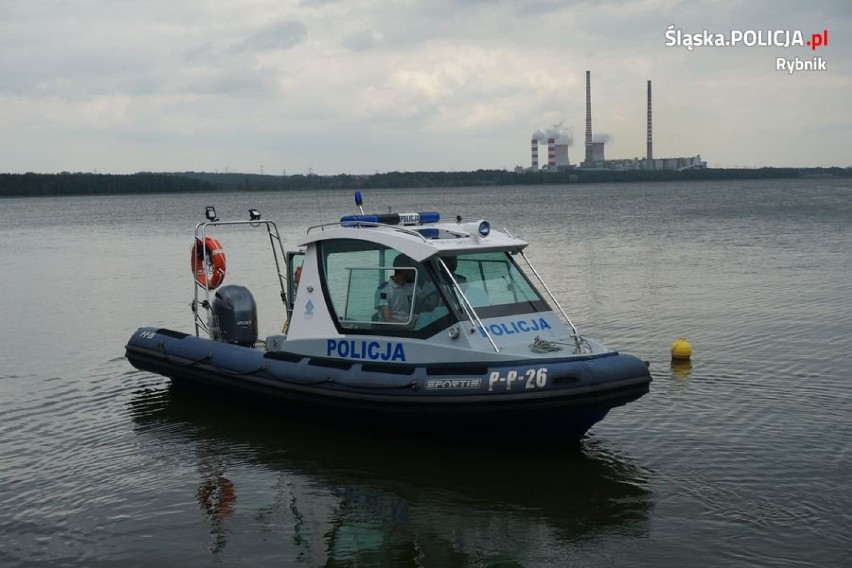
pixel 650 137
pixel 534 153
pixel 588 118
pixel 551 153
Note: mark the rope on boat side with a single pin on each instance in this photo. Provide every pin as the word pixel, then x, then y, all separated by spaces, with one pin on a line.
pixel 207 358
pixel 265 370
pixel 238 373
pixel 408 385
pixel 162 347
pixel 540 345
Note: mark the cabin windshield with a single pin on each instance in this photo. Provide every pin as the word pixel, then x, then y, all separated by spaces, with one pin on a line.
pixel 493 284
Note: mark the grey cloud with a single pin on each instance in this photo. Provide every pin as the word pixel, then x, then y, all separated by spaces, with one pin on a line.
pixel 362 41
pixel 232 80
pixel 78 71
pixel 280 35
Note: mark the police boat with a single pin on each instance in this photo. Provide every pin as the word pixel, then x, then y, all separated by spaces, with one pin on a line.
pixel 401 321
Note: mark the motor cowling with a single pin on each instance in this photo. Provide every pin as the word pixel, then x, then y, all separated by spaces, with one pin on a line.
pixel 234 316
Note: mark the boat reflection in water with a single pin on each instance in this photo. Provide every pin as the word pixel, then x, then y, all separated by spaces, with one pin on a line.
pixel 327 495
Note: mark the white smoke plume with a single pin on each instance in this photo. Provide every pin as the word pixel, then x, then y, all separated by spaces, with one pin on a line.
pixel 562 135
pixel 605 138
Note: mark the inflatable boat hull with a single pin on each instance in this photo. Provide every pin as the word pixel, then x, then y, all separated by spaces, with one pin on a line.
pixel 513 398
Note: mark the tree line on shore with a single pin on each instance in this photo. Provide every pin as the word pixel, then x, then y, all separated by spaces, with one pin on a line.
pixel 66 183
pixel 31 184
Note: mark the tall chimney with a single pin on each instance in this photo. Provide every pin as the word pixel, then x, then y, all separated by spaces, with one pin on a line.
pixel 551 153
pixel 588 118
pixel 650 137
pixel 534 153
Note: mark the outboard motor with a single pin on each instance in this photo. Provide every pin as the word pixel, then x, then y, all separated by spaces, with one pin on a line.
pixel 234 316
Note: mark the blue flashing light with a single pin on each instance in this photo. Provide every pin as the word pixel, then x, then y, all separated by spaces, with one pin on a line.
pixel 358 200
pixel 392 218
pixel 349 220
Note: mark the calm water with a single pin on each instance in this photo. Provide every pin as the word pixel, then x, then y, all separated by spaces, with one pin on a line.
pixel 742 459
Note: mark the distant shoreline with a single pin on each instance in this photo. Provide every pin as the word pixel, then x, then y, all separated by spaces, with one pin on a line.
pixel 32 184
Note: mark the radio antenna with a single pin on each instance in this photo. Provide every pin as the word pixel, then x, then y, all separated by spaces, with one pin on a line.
pixel 319 211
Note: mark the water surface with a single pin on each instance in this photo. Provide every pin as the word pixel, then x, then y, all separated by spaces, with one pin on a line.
pixel 740 458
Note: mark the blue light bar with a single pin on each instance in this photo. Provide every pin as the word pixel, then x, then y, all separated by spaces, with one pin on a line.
pixel 393 218
pixel 421 218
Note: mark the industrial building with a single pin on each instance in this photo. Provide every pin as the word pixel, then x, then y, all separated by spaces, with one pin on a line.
pixel 594 159
pixel 557 149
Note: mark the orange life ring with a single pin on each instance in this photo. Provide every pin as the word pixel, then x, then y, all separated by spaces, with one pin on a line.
pixel 216 257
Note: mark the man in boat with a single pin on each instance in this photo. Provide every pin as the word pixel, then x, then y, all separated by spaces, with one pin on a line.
pixel 395 295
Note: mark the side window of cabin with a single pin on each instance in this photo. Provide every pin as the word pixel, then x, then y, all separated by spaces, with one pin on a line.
pixel 353 272
pixel 358 279
pixel 294 260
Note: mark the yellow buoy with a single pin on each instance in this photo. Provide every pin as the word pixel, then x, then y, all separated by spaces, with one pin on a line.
pixel 681 349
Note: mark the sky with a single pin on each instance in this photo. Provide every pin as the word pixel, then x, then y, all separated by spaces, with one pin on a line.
pixel 365 86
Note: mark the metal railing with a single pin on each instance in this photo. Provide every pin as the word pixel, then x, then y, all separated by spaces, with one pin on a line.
pixel 201 234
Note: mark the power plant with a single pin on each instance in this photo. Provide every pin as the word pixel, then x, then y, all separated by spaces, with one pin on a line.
pixel 558 142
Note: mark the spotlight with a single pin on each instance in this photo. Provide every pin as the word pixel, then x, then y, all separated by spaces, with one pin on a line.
pixel 210 213
pixel 254 215
pixel 478 229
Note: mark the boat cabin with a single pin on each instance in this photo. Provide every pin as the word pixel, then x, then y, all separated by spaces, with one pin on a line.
pixel 451 284
pixel 392 287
